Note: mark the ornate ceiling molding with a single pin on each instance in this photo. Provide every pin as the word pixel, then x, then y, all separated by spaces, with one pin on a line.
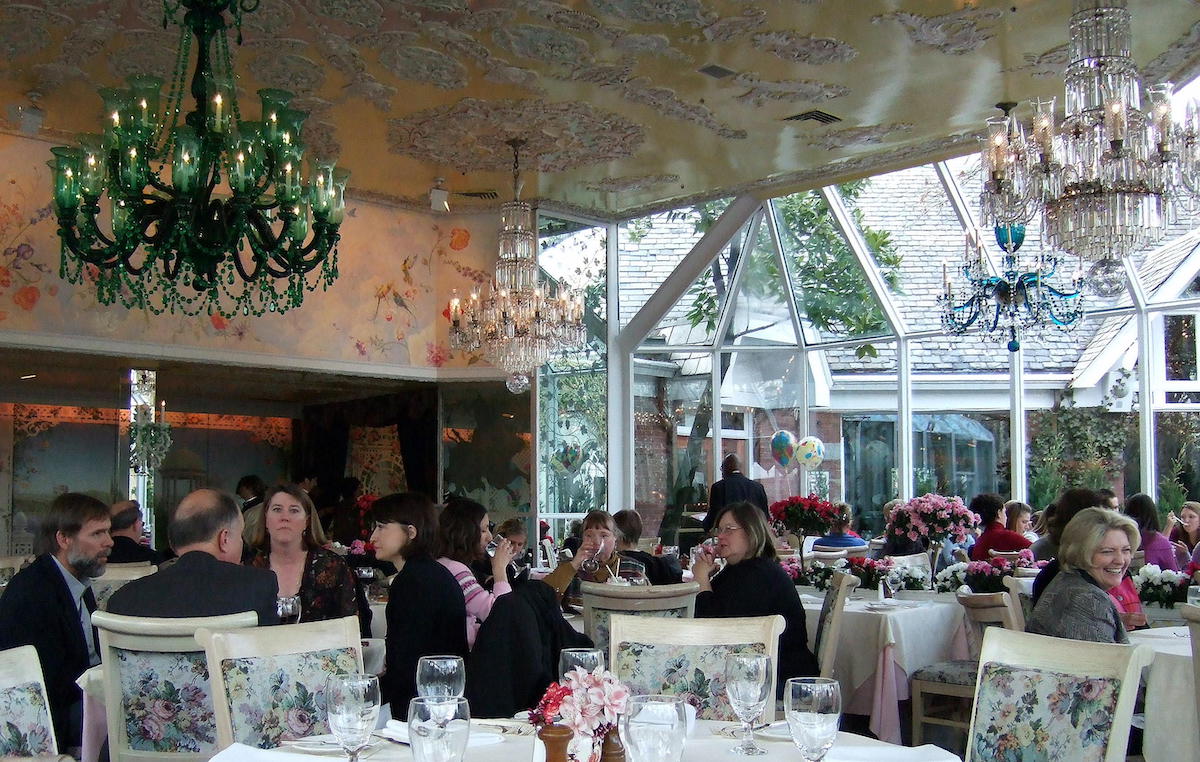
pixel 1180 58
pixel 955 34
pixel 367 14
pixel 731 27
pixel 760 92
pixel 650 45
pixel 624 184
pixel 26 29
pixel 541 43
pixel 835 139
pixel 424 65
pixel 804 48
pixel 1048 64
pixel 671 12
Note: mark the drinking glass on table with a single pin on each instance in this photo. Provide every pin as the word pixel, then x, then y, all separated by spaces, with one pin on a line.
pixel 747 678
pixel 633 571
pixel 288 607
pixel 813 706
pixel 654 728
pixel 353 702
pixel 441 676
pixel 438 728
pixel 586 659
pixel 1193 597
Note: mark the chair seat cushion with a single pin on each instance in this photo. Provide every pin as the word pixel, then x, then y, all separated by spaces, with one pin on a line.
pixel 953 672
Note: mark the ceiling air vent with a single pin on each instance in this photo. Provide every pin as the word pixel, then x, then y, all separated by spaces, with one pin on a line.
pixel 816 115
pixel 484 194
pixel 716 72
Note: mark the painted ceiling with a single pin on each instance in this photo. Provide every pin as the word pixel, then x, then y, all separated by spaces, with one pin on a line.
pixel 609 93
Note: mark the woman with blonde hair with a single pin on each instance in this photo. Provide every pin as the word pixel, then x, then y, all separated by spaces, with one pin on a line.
pixel 1094 555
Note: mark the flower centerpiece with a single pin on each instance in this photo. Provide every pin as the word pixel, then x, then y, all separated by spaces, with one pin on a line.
pixel 801 516
pixel 364 504
pixel 908 578
pixel 1161 586
pixel 979 576
pixel 589 703
pixel 935 519
pixel 870 571
pixel 818 574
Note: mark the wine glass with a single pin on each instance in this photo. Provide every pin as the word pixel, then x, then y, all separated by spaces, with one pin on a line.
pixel 441 676
pixel 812 706
pixel 633 571
pixel 747 678
pixel 654 728
pixel 591 564
pixel 438 728
pixel 353 702
pixel 288 607
pixel 587 659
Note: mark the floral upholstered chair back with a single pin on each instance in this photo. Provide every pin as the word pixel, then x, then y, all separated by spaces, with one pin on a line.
pixel 25 726
pixel 269 682
pixel 1036 699
pixel 686 657
pixel 601 602
pixel 157 676
pixel 114 578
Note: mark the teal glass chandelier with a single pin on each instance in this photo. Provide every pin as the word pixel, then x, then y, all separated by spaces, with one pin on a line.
pixel 211 215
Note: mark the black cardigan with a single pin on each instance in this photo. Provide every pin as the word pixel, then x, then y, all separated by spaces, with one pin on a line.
pixel 426 615
pixel 759 587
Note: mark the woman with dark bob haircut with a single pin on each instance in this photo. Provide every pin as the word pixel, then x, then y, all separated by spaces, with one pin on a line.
pixel 599 544
pixel 753 584
pixel 425 609
pixel 464 537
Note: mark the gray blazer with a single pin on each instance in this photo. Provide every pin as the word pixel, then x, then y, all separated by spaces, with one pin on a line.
pixel 1075 607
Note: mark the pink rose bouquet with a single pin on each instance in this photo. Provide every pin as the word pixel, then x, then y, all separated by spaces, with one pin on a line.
pixel 589 703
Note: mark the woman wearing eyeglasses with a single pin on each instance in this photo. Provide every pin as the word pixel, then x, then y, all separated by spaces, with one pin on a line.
pixel 753 584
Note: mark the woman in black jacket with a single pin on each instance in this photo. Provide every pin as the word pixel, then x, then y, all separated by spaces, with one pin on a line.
pixel 425 610
pixel 754 584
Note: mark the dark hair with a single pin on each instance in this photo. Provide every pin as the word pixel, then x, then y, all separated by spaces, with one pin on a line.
pixel 1069 503
pixel 988 505
pixel 313 538
pixel 513 527
pixel 597 519
pixel 629 526
pixel 126 518
pixel 418 512
pixel 1105 493
pixel 204 524
pixel 458 530
pixel 348 488
pixel 68 513
pixel 750 517
pixel 305 473
pixel 1141 509
pixel 252 482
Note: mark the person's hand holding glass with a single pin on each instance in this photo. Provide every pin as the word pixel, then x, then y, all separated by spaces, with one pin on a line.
pixel 654 728
pixel 438 728
pixel 747 681
pixel 813 706
pixel 288 607
pixel 441 676
pixel 353 703
pixel 705 561
pixel 598 545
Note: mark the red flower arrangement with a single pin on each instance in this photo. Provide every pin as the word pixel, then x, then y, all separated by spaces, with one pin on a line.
pixel 810 515
pixel 870 571
pixel 364 504
pixel 548 707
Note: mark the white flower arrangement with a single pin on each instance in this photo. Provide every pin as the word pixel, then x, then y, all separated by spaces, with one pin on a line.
pixel 1162 586
pixel 951 578
pixel 908 578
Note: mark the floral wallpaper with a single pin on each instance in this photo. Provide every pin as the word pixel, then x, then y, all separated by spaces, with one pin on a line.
pixel 397 268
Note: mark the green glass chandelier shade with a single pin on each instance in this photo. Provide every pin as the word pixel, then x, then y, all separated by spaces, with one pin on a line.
pixel 211 215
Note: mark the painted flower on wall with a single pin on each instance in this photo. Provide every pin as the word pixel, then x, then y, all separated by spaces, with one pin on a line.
pixel 459 238
pixel 27 298
pixel 436 354
pixel 218 322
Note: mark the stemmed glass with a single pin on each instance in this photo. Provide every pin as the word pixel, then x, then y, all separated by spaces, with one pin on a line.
pixel 632 571
pixel 708 547
pixel 353 702
pixel 438 728
pixel 654 728
pixel 586 659
pixel 288 607
pixel 747 679
pixel 591 564
pixel 812 706
pixel 441 676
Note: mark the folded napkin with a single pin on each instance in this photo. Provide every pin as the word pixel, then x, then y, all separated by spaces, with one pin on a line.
pixel 398 731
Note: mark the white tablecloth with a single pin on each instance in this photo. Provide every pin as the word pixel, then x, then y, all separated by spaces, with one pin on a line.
pixel 1171 727
pixel 702 746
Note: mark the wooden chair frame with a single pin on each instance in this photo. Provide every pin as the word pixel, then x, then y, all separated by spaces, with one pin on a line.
pixel 1074 657
pixel 1015 595
pixel 618 598
pixel 828 638
pixel 703 632
pixel 163 635
pixel 269 641
pixel 21 665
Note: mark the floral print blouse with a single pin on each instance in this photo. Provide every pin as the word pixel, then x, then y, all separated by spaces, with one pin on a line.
pixel 326 587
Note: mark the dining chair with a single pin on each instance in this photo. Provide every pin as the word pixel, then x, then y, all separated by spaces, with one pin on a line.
pixel 1138 561
pixel 549 556
pixel 28 730
pixel 875 546
pixel 648 544
pixel 10 565
pixel 1053 699
pixel 156 685
pixel 825 556
pixel 1022 602
pixel 954 679
pixel 128 565
pixel 1008 555
pixel 829 623
pixel 687 657
pixel 115 577
pixel 601 601
pixel 915 561
pixel 268 683
pixel 1191 615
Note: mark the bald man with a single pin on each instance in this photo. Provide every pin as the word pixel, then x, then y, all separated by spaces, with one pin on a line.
pixel 733 487
pixel 127 527
pixel 208 579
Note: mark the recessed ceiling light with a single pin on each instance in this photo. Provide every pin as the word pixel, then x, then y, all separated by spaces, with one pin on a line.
pixel 29 376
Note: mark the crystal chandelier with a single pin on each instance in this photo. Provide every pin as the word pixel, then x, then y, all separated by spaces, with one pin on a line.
pixel 209 215
pixel 1016 299
pixel 518 323
pixel 1105 178
pixel 149 440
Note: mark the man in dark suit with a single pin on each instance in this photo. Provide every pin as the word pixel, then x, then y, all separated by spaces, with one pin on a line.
pixel 49 605
pixel 208 579
pixel 732 488
pixel 127 536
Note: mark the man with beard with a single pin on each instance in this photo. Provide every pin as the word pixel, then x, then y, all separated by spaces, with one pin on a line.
pixel 49 604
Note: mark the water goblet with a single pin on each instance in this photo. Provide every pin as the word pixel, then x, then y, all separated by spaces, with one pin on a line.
pixel 591 564
pixel 438 728
pixel 632 570
pixel 587 659
pixel 654 728
pixel 747 678
pixel 1193 595
pixel 288 607
pixel 353 702
pixel 441 676
pixel 812 706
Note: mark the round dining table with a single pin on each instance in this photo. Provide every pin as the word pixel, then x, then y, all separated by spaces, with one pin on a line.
pixel 1170 732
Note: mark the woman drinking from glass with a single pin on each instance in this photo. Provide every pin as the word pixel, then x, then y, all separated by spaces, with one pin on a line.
pixel 465 538
pixel 597 559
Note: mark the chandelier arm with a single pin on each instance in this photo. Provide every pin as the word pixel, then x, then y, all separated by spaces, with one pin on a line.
pixel 259 233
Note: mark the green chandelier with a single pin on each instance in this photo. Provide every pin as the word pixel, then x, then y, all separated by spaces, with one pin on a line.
pixel 211 215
